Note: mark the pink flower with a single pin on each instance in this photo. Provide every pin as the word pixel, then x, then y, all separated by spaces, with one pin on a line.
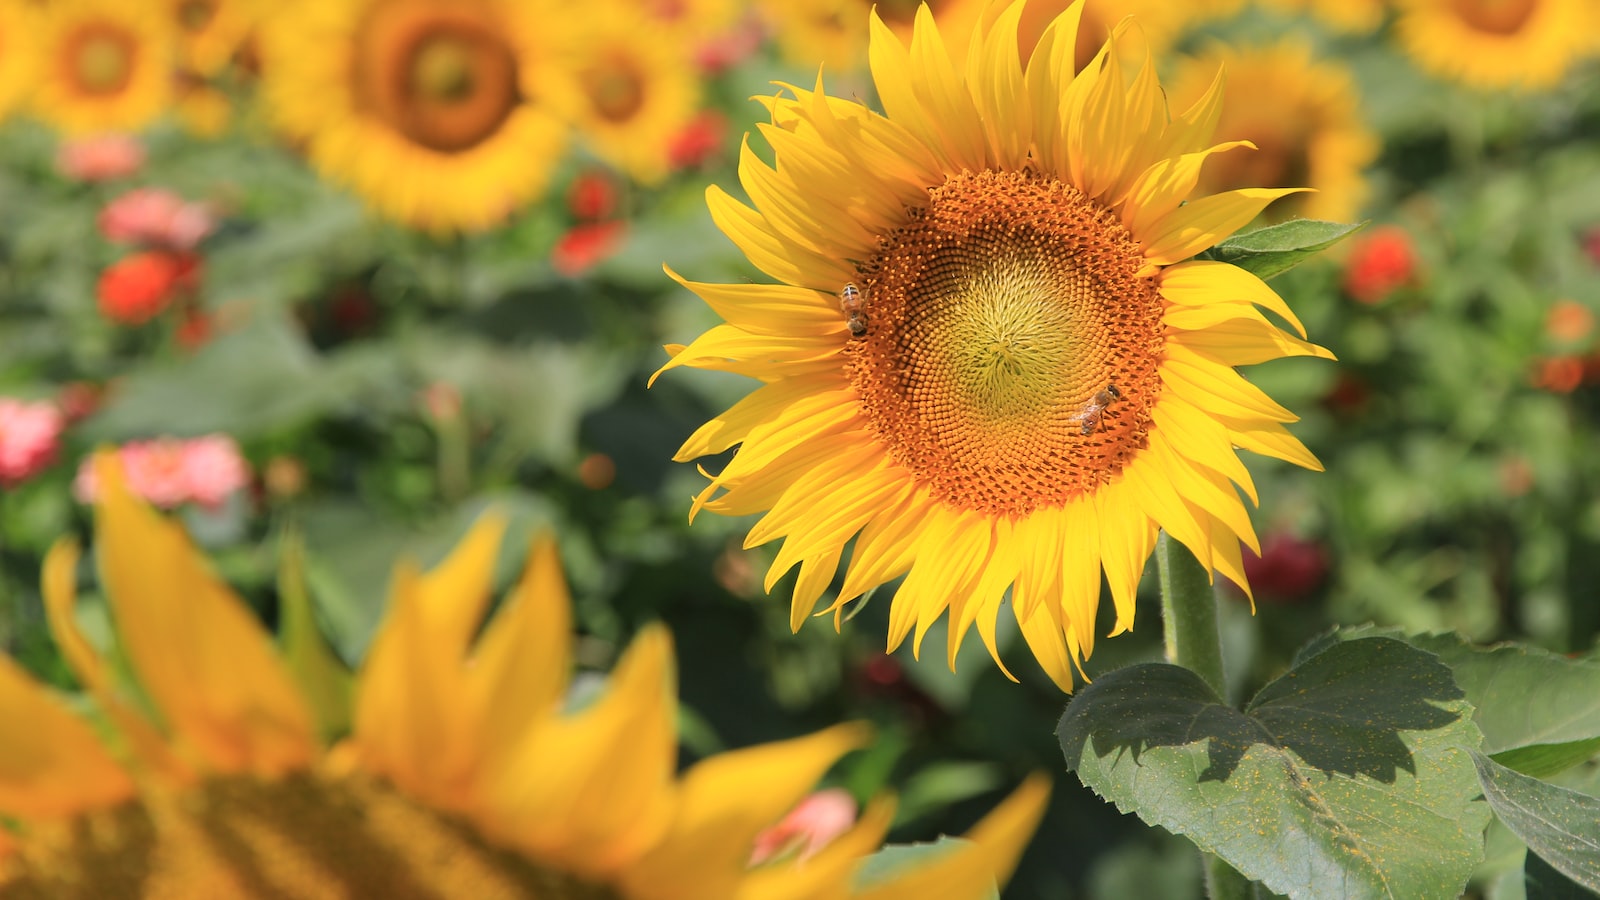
pixel 103 158
pixel 156 216
pixel 214 469
pixel 169 472
pixel 809 827
pixel 30 436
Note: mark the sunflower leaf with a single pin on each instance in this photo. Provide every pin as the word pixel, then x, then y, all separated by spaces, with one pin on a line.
pixel 1561 825
pixel 1539 711
pixel 1276 249
pixel 1350 769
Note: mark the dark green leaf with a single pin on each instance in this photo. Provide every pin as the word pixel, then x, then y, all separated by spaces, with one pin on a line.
pixel 1543 882
pixel 886 864
pixel 1561 825
pixel 1539 711
pixel 1351 769
pixel 1278 248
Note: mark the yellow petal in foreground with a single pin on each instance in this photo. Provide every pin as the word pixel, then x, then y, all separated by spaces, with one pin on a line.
pixel 1032 378
pixel 463 775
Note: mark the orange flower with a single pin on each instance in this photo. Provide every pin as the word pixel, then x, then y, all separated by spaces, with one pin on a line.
pixel 1569 322
pixel 136 288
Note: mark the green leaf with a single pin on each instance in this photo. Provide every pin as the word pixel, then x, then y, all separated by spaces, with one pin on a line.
pixel 1561 825
pixel 1350 769
pixel 885 865
pixel 1542 881
pixel 322 676
pixel 1276 249
pixel 1539 711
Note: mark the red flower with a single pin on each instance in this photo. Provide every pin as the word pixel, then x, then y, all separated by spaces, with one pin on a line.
pixel 1561 374
pixel 1287 569
pixel 699 141
pixel 1378 263
pixel 592 196
pixel 584 246
pixel 136 288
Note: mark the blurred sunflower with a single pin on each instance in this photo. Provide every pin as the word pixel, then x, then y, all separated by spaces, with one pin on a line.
pixel 104 65
pixel 638 90
pixel 1528 44
pixel 1350 16
pixel 809 32
pixel 1302 114
pixel 439 113
pixel 210 32
pixel 462 775
pixel 18 51
pixel 1033 382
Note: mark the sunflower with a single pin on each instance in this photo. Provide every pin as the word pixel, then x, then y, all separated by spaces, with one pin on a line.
pixel 105 65
pixel 210 32
pixel 1302 114
pixel 439 113
pixel 1350 16
pixel 809 32
pixel 17 54
pixel 461 775
pixel 1028 379
pixel 639 91
pixel 1486 44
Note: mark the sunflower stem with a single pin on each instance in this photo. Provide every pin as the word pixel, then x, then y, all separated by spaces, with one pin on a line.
pixel 1189 614
pixel 1189 627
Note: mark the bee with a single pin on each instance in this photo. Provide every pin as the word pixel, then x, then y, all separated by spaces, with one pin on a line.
pixel 1094 411
pixel 850 300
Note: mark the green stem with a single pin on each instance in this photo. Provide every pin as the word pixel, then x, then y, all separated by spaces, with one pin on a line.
pixel 1189 613
pixel 1189 627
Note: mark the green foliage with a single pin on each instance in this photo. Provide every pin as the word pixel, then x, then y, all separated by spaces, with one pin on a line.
pixel 1350 769
pixel 1560 825
pixel 1275 249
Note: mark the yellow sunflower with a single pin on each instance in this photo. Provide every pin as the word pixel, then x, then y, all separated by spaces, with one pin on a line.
pixel 18 54
pixel 818 32
pixel 1528 44
pixel 1028 379
pixel 1302 114
pixel 104 65
pixel 1350 16
pixel 439 113
pixel 638 90
pixel 210 32
pixel 461 777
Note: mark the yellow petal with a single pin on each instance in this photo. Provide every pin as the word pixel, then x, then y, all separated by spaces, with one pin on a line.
pixel 1203 223
pixel 971 870
pixel 51 763
pixel 200 654
pixel 723 803
pixel 1201 282
pixel 595 789
pixel 519 669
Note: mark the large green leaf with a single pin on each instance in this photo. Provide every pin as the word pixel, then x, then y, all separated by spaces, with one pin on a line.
pixel 1539 711
pixel 1278 248
pixel 1348 775
pixel 1561 825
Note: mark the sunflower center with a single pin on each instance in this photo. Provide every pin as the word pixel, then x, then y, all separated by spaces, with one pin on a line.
pixel 196 15
pixel 1010 356
pixel 101 59
pixel 444 78
pixel 302 836
pixel 1496 16
pixel 615 90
